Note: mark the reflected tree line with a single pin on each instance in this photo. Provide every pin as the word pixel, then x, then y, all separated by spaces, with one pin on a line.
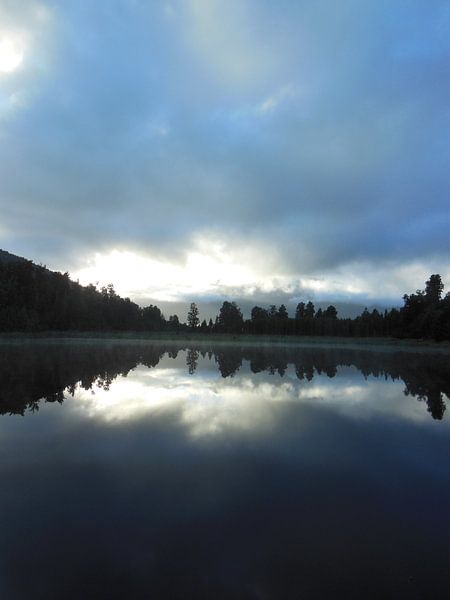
pixel 33 299
pixel 31 374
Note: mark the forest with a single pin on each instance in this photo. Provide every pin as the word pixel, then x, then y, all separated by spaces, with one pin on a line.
pixel 36 299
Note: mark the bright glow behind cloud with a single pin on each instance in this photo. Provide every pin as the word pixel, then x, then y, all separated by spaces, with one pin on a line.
pixel 217 269
pixel 138 275
pixel 25 50
pixel 11 54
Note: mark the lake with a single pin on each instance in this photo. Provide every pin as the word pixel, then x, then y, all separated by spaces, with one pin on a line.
pixel 138 470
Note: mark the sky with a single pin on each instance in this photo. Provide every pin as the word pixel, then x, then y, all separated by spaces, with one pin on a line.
pixel 250 150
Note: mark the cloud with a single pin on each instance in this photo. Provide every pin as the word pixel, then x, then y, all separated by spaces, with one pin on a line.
pixel 225 39
pixel 308 141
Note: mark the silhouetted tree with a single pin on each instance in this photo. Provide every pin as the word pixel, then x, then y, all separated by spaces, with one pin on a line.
pixel 330 312
pixel 434 288
pixel 152 318
pixel 259 320
pixel 174 323
pixel 230 318
pixel 273 312
pixel 282 312
pixel 259 314
pixel 300 311
pixel 424 313
pixel 192 317
pixel 309 310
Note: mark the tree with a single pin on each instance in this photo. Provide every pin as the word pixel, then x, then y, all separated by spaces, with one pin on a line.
pixel 300 311
pixel 330 312
pixel 434 288
pixel 282 312
pixel 174 322
pixel 309 310
pixel 152 318
pixel 230 319
pixel 259 314
pixel 192 316
pixel 107 291
pixel 273 312
pixel 259 319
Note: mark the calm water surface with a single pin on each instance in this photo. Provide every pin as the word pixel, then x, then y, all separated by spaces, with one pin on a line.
pixel 162 471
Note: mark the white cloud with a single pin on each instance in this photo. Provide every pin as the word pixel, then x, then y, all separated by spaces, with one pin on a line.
pixel 215 267
pixel 387 280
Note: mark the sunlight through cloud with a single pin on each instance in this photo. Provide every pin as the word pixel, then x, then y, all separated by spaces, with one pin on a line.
pixel 11 53
pixel 207 267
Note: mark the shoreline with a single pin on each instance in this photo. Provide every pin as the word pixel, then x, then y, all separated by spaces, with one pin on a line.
pixel 217 339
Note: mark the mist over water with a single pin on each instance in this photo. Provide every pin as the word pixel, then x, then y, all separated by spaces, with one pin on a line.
pixel 137 470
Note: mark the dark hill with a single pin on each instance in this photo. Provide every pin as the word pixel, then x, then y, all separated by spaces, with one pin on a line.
pixel 33 298
pixel 8 258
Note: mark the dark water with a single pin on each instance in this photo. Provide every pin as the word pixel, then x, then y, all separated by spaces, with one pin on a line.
pixel 137 471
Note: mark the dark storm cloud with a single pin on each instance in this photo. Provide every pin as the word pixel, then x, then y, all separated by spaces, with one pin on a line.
pixel 318 131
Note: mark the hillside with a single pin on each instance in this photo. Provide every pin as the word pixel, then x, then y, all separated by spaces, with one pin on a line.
pixel 33 298
pixel 8 258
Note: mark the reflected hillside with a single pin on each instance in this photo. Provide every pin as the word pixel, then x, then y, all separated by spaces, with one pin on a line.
pixel 35 372
pixel 38 372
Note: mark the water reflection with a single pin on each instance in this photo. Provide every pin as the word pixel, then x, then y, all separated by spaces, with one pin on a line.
pixel 222 472
pixel 192 360
pixel 31 373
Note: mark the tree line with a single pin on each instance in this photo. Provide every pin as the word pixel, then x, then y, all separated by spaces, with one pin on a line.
pixel 424 315
pixel 33 298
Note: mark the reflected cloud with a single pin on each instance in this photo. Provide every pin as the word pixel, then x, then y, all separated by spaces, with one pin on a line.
pixel 216 390
pixel 217 407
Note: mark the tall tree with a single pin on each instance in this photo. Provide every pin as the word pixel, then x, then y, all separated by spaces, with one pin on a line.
pixel 300 311
pixel 193 316
pixel 310 310
pixel 434 288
